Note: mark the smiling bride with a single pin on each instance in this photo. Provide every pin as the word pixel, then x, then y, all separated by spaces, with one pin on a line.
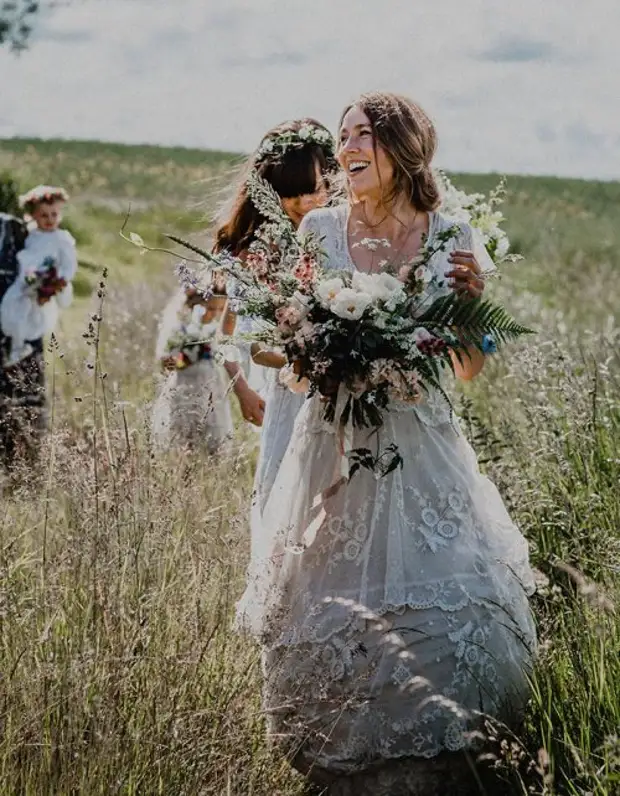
pixel 390 638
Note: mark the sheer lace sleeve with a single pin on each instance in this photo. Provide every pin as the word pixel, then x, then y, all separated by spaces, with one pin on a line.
pixel 328 226
pixel 472 240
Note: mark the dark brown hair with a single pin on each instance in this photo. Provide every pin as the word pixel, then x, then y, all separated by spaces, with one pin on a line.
pixel 291 173
pixel 408 137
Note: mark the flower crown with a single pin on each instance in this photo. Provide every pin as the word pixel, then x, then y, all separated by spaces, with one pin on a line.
pixel 42 193
pixel 277 145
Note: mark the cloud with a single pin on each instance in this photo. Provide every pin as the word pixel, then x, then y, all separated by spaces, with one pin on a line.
pixel 274 59
pixel 193 73
pixel 519 50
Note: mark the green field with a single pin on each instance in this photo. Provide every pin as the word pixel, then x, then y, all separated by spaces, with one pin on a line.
pixel 118 572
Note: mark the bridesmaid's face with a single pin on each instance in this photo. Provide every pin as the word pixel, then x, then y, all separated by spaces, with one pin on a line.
pixel 369 170
pixel 296 207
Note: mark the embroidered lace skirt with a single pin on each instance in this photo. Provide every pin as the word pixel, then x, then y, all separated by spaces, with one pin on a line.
pixel 396 628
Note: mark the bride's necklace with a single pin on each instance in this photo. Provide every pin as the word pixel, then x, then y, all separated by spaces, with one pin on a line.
pixel 386 264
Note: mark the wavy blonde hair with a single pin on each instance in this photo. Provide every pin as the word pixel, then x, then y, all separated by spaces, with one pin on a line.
pixel 408 137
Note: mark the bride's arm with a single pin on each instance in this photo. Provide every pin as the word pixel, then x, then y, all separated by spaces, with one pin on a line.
pixel 471 364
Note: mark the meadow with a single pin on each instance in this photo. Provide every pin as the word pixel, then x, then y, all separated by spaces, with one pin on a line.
pixel 119 570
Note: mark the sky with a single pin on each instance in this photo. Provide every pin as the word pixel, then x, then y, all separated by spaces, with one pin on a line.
pixel 526 86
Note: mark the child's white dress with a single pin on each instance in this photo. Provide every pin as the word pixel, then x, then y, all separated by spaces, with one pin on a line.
pixel 192 407
pixel 22 318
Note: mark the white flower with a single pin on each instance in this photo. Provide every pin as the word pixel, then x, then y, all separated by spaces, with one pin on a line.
pixel 328 289
pixel 300 302
pixel 380 287
pixel 423 274
pixel 421 335
pixel 305 132
pixel 350 303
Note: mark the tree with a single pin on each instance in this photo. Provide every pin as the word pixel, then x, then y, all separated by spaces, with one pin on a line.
pixel 16 17
pixel 9 195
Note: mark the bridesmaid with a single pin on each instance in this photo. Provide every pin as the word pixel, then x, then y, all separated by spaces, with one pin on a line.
pixel 297 159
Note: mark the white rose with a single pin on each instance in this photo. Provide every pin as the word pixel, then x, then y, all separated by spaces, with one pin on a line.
pixel 328 289
pixel 390 284
pixel 363 283
pixel 300 302
pixel 381 287
pixel 350 304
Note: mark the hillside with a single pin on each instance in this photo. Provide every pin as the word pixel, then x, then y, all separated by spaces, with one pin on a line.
pixel 119 570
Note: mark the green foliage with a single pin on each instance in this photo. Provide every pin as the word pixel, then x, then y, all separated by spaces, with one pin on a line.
pixel 118 572
pixel 9 195
pixel 473 319
pixel 16 18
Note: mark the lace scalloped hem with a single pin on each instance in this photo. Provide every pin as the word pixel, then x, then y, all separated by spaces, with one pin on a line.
pixel 412 684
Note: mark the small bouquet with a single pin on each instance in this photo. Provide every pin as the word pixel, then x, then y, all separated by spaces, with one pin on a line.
pixel 361 340
pixel 482 212
pixel 44 283
pixel 191 341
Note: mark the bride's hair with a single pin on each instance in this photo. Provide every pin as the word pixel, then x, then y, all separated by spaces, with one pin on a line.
pixel 408 137
pixel 286 158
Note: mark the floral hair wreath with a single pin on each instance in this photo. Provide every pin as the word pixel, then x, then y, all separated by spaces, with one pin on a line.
pixel 278 145
pixel 42 194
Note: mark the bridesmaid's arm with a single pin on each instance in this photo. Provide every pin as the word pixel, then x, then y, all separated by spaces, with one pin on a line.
pixel 266 358
pixel 229 321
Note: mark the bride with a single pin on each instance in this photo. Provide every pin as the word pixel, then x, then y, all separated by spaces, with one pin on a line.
pixel 404 622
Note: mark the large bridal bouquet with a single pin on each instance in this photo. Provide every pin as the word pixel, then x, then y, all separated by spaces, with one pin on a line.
pixel 363 340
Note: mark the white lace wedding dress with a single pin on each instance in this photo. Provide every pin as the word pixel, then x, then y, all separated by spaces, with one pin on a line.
pixel 281 409
pixel 406 618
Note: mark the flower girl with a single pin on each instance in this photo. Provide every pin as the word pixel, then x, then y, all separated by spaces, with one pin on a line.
pixel 47 265
pixel 191 409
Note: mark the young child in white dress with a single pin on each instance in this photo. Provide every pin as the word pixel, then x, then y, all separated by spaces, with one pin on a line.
pixel 47 266
pixel 191 410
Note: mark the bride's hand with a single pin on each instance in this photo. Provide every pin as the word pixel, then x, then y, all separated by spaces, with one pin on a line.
pixel 466 274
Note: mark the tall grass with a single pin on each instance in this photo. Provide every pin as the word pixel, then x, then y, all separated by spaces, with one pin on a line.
pixel 119 570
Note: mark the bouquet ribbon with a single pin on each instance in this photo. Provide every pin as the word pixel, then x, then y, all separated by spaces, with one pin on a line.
pixel 344 434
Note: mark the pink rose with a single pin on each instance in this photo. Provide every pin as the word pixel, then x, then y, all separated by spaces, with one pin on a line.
pixel 288 317
pixel 404 273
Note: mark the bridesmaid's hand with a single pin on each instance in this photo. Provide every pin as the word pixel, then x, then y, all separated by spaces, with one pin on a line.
pixel 466 274
pixel 168 363
pixel 251 404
